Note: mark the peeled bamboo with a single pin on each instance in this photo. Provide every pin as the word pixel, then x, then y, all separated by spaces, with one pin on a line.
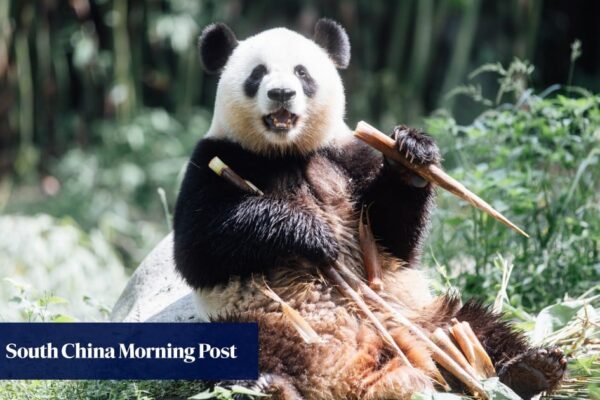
pixel 347 290
pixel 223 170
pixel 464 341
pixel 483 362
pixel 438 354
pixel 440 338
pixel 431 173
pixel 369 250
pixel 306 332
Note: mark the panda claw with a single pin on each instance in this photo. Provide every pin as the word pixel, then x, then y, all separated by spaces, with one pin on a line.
pixel 418 147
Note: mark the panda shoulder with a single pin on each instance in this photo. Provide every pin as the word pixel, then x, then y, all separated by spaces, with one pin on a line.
pixel 208 148
pixel 354 156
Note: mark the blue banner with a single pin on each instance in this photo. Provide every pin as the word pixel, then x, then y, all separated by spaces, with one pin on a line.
pixel 204 351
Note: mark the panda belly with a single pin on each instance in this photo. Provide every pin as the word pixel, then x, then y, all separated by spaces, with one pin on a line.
pixel 352 361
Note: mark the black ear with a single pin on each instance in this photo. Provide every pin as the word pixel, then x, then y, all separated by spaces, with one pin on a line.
pixel 216 44
pixel 333 38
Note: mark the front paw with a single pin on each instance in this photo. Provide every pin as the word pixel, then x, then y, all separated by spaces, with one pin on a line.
pixel 535 371
pixel 418 148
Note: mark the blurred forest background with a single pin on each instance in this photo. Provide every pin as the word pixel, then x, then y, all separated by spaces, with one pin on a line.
pixel 101 103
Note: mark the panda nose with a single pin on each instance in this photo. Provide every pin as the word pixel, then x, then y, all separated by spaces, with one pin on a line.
pixel 281 95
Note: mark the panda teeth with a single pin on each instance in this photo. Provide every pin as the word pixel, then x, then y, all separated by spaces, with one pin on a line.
pixel 281 120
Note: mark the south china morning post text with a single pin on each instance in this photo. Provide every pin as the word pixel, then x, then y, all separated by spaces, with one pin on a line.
pixel 128 351
pixel 124 350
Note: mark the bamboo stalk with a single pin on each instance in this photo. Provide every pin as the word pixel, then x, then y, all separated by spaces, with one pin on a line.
pixel 347 290
pixel 431 173
pixel 438 354
pixel 483 361
pixel 369 251
pixel 440 338
pixel 304 329
pixel 223 170
pixel 459 334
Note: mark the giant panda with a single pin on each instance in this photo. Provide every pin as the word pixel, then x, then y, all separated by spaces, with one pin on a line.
pixel 279 122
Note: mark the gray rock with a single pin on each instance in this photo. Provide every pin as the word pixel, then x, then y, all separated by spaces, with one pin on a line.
pixel 155 292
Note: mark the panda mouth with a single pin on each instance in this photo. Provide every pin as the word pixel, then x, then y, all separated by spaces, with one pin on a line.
pixel 280 121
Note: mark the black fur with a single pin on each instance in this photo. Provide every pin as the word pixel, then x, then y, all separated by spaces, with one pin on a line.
pixel 252 83
pixel 309 86
pixel 399 211
pixel 221 231
pixel 333 38
pixel 216 44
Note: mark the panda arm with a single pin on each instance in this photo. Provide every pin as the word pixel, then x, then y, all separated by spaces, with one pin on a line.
pixel 399 211
pixel 221 231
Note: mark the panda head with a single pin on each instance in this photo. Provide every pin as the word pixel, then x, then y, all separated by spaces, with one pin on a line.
pixel 278 92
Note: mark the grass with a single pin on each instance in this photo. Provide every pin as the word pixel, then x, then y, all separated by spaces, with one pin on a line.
pixel 98 390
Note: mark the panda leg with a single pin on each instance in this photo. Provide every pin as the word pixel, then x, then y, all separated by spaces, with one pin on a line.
pixel 527 370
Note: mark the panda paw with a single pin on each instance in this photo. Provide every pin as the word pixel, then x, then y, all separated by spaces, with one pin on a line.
pixel 419 148
pixel 538 370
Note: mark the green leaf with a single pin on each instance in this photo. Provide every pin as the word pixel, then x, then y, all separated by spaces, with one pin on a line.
pixel 555 317
pixel 222 393
pixel 63 318
pixel 56 300
pixel 236 389
pixel 583 366
pixel 499 391
pixel 207 394
pixel 594 391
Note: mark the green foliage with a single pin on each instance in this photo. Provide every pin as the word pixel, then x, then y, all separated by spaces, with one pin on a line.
pixel 50 270
pixel 537 162
pixel 36 310
pixel 113 188
pixel 98 390
pixel 221 393
pixel 495 389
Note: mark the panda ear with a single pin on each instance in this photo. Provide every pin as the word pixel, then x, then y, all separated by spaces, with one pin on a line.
pixel 216 43
pixel 333 38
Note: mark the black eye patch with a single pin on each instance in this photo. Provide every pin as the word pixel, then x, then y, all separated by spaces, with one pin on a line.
pixel 252 83
pixel 309 86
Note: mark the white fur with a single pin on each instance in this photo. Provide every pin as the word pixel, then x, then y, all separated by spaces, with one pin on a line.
pixel 239 118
